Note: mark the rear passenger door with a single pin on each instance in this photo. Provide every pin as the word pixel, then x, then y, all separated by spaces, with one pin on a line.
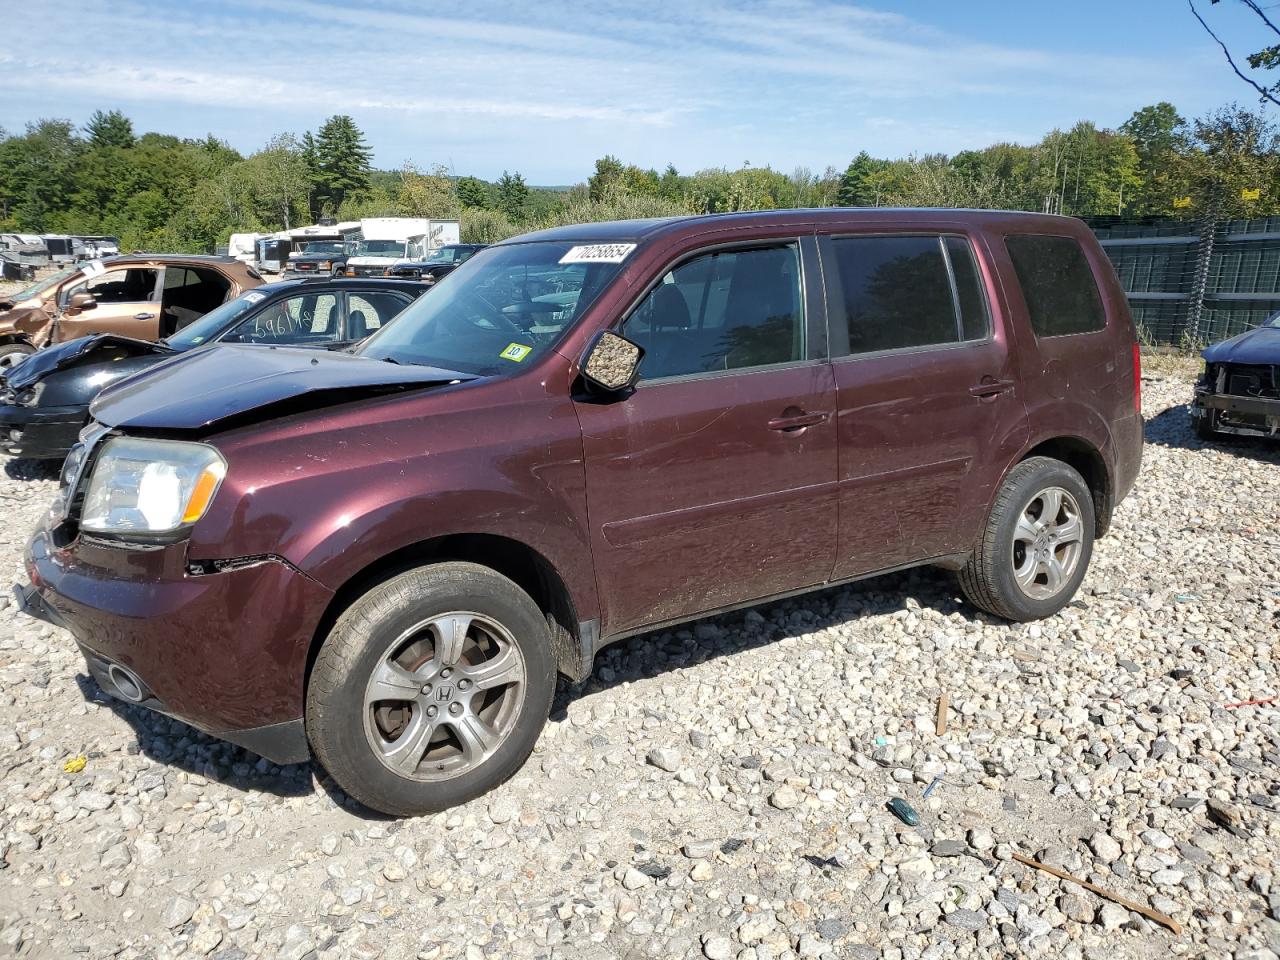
pixel 714 482
pixel 929 407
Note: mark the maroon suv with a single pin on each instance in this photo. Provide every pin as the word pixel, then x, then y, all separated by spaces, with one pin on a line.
pixel 385 558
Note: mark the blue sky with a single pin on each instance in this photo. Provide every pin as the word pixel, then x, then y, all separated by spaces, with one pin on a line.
pixel 546 88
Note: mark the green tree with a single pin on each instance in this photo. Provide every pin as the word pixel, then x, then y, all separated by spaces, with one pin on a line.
pixel 1159 135
pixel 341 162
pixel 279 180
pixel 513 195
pixel 111 129
pixel 473 193
pixel 1233 152
pixel 858 186
pixel 430 194
pixel 608 182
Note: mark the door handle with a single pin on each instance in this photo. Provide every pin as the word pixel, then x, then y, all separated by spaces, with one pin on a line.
pixel 797 421
pixel 144 316
pixel 990 387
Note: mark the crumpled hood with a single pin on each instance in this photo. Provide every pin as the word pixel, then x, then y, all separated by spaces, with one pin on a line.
pixel 199 388
pixel 100 348
pixel 1260 345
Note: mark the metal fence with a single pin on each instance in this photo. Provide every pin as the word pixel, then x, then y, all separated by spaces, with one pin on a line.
pixel 1195 281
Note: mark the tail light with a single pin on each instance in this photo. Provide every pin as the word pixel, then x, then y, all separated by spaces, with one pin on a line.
pixel 1137 378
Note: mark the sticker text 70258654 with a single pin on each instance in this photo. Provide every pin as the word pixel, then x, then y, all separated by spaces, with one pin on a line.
pixel 598 253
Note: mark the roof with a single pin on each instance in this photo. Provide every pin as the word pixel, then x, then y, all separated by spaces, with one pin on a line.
pixel 640 231
pixel 176 257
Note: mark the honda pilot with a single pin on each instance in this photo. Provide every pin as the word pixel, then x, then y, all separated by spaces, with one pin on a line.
pixel 383 559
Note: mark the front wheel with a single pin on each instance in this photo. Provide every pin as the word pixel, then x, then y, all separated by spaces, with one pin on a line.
pixel 1036 547
pixel 11 354
pixel 431 689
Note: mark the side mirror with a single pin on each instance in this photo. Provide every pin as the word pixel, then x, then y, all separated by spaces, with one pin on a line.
pixel 81 301
pixel 612 362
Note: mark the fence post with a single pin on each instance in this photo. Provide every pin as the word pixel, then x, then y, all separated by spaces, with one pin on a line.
pixel 1200 280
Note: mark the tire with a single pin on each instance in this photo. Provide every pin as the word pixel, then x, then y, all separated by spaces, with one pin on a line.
pixel 1018 539
pixel 348 723
pixel 14 353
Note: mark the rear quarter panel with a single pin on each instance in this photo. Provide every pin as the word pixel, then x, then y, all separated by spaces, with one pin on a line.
pixel 1080 385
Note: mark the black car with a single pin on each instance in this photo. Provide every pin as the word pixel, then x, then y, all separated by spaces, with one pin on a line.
pixel 1239 392
pixel 44 400
pixel 318 258
pixel 441 262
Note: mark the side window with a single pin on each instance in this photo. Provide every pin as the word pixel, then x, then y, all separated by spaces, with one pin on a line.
pixel 120 286
pixel 177 277
pixel 301 320
pixel 1057 284
pixel 898 292
pixel 727 310
pixel 367 312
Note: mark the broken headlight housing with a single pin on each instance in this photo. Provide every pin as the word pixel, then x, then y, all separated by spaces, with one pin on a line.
pixel 150 487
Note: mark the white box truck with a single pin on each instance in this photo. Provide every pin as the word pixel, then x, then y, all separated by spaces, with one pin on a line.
pixel 385 241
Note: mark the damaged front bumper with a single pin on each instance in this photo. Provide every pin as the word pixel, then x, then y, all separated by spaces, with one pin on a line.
pixel 1243 416
pixel 224 651
pixel 40 433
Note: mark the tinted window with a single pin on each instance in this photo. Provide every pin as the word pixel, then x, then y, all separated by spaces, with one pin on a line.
pixel 723 311
pixel 367 312
pixel 897 292
pixel 1057 284
pixel 975 321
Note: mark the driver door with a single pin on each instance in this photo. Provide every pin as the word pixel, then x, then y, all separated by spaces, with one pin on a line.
pixel 126 301
pixel 305 320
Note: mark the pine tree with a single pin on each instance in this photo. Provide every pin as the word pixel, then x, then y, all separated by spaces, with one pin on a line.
pixel 341 161
pixel 112 129
pixel 512 195
pixel 854 190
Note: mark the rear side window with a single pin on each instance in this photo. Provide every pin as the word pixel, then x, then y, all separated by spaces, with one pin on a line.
pixel 1057 284
pixel 910 291
pixel 726 310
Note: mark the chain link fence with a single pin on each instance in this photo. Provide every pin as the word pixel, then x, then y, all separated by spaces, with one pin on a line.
pixel 1195 282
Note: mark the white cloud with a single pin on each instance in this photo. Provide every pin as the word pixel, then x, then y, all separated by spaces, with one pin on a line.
pixel 550 86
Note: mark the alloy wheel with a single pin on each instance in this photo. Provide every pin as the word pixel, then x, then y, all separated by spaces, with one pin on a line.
pixel 444 696
pixel 1047 542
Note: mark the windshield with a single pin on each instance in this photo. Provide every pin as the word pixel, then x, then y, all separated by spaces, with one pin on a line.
pixel 213 323
pixel 497 312
pixel 48 283
pixel 443 255
pixel 322 246
pixel 380 248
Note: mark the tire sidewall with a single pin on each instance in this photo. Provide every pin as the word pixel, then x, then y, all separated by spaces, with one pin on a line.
pixel 347 750
pixel 1023 488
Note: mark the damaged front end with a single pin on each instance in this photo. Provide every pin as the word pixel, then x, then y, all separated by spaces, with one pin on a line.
pixel 1238 398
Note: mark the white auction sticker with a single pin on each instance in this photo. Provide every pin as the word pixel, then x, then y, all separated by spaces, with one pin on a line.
pixel 94 268
pixel 598 253
pixel 254 296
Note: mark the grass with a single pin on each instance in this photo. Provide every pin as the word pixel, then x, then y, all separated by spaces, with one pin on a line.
pixel 1170 364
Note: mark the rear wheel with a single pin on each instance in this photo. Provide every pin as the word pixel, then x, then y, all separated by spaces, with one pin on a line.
pixel 431 689
pixel 1036 547
pixel 12 354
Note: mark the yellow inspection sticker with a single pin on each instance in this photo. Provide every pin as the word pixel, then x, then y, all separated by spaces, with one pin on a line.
pixel 516 352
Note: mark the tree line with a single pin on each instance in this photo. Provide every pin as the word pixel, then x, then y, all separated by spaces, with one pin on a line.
pixel 160 192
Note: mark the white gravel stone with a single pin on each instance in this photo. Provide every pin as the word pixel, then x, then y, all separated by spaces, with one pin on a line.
pixel 1097 736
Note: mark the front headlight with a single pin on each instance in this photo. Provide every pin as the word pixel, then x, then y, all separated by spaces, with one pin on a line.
pixel 30 396
pixel 148 486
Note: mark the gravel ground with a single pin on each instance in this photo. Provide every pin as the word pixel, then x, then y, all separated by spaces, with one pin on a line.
pixel 720 790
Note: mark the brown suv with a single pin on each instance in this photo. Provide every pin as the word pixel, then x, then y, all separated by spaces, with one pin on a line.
pixel 384 558
pixel 144 296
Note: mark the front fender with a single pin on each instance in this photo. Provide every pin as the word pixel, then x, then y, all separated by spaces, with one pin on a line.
pixel 335 493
